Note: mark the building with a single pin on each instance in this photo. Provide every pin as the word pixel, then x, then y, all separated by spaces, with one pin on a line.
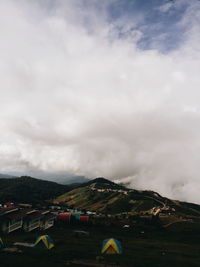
pixel 32 220
pixel 13 218
pixel 47 220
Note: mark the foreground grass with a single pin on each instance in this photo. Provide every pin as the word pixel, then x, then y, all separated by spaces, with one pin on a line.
pixel 142 246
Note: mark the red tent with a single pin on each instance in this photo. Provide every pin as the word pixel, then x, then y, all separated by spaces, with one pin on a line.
pixel 84 219
pixel 64 217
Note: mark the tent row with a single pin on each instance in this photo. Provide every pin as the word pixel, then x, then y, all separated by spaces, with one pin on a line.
pixel 72 217
pixel 109 246
pixel 44 241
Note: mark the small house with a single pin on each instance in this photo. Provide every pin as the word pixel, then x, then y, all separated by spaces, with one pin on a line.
pixel 47 220
pixel 11 219
pixel 32 220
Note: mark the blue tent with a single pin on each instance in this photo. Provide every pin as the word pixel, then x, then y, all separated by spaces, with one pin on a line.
pixel 1 244
pixel 111 246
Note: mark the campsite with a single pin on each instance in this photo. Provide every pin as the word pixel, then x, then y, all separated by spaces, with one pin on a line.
pixel 147 230
pixel 141 246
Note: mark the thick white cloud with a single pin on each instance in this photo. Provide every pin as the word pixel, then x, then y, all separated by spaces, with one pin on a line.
pixel 75 98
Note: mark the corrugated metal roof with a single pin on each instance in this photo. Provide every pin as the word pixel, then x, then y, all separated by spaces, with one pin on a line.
pixel 7 210
pixel 19 214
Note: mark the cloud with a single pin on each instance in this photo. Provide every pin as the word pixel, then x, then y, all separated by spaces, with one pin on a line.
pixel 166 7
pixel 78 95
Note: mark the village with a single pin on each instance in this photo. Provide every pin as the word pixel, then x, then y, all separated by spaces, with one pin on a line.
pixel 82 237
pixel 27 218
pixel 28 227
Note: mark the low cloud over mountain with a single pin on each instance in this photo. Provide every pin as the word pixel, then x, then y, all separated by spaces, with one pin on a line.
pixel 102 89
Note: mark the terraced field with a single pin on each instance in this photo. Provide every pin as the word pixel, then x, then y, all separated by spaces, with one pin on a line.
pixel 116 201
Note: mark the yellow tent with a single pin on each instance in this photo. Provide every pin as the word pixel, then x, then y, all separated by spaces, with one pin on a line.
pixel 111 246
pixel 44 241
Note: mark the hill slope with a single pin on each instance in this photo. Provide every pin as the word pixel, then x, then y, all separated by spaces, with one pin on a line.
pixel 29 190
pixel 105 196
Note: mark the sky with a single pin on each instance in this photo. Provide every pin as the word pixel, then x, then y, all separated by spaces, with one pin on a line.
pixel 102 88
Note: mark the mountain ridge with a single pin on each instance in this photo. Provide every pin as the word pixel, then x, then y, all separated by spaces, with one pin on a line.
pixel 29 189
pixel 3 175
pixel 99 194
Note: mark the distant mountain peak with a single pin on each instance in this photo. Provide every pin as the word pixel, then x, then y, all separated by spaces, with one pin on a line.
pixel 3 175
pixel 101 182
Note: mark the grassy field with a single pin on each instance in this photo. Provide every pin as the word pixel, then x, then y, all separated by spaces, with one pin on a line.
pixel 178 245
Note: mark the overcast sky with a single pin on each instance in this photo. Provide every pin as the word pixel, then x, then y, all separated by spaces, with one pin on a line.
pixel 102 88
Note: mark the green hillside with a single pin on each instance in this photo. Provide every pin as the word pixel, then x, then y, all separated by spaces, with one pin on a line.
pixel 107 197
pixel 109 202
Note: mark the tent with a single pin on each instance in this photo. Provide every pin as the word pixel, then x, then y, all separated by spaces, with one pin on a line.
pixel 44 241
pixel 76 216
pixel 111 246
pixel 64 217
pixel 84 219
pixel 1 244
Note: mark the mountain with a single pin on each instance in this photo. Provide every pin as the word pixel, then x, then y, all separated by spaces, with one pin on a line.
pixel 2 175
pixel 105 196
pixel 29 190
pixel 75 180
pixel 99 194
pixel 101 182
pixel 60 178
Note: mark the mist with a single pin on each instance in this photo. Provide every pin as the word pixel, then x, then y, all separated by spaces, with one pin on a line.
pixel 86 93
